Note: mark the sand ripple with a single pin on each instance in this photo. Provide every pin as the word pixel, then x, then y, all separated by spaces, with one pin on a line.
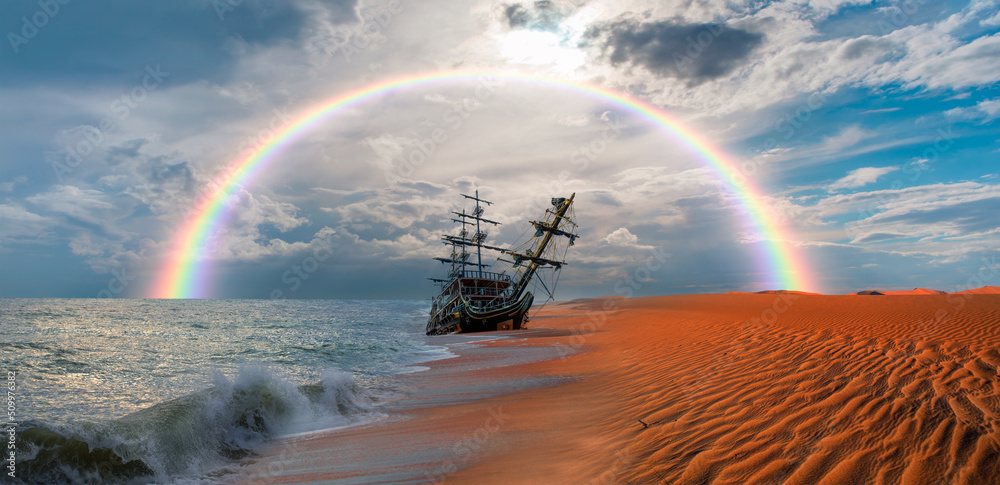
pixel 847 389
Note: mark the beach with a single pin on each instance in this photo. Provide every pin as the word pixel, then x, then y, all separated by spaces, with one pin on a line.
pixel 774 388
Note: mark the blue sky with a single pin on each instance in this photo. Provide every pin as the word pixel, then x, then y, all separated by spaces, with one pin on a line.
pixel 872 127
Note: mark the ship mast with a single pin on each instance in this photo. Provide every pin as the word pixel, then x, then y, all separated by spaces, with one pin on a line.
pixel 460 257
pixel 533 256
pixel 479 236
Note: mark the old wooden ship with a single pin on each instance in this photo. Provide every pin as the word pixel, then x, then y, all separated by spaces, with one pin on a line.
pixel 477 296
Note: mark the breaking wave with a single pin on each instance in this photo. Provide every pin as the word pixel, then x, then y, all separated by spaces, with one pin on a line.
pixel 191 435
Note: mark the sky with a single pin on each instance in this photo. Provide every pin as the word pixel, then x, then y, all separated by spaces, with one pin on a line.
pixel 870 128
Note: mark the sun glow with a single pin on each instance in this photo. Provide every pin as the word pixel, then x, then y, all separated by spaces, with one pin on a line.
pixel 540 48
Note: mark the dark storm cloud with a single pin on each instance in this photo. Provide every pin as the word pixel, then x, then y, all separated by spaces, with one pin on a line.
pixel 857 48
pixel 180 174
pixel 127 150
pixel 112 41
pixel 696 52
pixel 542 15
pixel 517 16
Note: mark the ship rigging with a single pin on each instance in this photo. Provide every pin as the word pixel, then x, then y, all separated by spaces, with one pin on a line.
pixel 478 297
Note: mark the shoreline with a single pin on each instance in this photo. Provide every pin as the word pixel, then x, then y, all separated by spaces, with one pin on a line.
pixel 439 423
pixel 744 388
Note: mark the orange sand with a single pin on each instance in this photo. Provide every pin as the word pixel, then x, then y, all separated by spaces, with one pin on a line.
pixel 986 290
pixel 915 291
pixel 739 388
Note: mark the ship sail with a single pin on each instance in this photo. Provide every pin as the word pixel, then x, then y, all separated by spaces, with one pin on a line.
pixel 494 296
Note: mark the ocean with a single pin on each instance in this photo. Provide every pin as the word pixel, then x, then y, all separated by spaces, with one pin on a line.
pixel 184 391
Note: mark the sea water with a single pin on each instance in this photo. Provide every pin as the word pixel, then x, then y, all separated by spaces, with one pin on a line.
pixel 138 391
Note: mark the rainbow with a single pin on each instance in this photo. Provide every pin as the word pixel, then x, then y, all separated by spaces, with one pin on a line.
pixel 184 273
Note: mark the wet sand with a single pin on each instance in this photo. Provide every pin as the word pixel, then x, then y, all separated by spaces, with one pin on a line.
pixel 778 388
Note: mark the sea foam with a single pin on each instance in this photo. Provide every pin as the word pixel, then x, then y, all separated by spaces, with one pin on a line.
pixel 191 435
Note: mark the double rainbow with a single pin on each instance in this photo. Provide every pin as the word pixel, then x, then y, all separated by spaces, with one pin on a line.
pixel 184 273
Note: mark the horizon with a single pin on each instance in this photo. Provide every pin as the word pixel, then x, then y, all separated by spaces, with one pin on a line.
pixel 868 130
pixel 958 291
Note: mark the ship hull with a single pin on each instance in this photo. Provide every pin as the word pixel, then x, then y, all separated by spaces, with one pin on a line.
pixel 506 317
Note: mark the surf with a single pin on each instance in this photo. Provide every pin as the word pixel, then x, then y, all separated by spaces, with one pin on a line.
pixel 198 433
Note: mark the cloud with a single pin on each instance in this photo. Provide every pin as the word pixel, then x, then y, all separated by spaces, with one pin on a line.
pixel 9 186
pixel 945 64
pixel 621 237
pixel 390 154
pixel 543 15
pixel 984 111
pixel 874 48
pixel 188 38
pixel 992 21
pixel 342 10
pixel 517 16
pixel 796 55
pixel 875 237
pixel 882 110
pixel 16 222
pixel 245 237
pixel 935 215
pixel 860 177
pixel 576 120
pixel 400 206
pixel 848 137
pixel 86 205
pixel 258 210
pixel 695 52
pixel 90 223
pixel 990 107
pixel 139 168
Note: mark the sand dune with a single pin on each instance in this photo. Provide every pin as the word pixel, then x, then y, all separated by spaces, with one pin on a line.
pixel 783 292
pixel 764 389
pixel 986 290
pixel 915 291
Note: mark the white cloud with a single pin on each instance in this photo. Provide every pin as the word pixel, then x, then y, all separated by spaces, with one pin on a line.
pixel 88 244
pixel 16 221
pixel 245 92
pixel 860 177
pixel 437 98
pixel 84 204
pixel 848 137
pixel 990 107
pixel 937 61
pixel 984 111
pixel 400 206
pixel 883 110
pixel 935 214
pixel 575 120
pixel 992 21
pixel 9 186
pixel 389 152
pixel 243 238
pixel 621 237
